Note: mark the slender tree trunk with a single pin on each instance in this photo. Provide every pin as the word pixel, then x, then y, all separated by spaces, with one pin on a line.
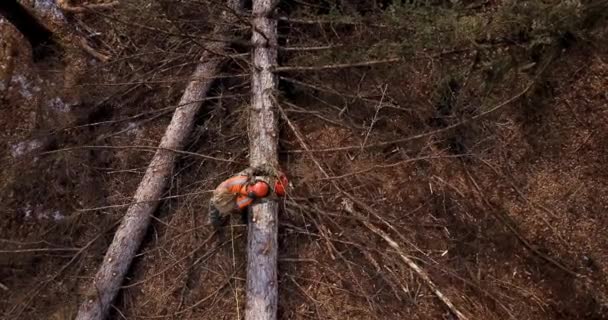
pixel 262 286
pixel 129 235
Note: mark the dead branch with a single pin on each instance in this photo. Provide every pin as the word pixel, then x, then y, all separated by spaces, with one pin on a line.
pixel 317 48
pixel 336 66
pixel 87 7
pixel 130 234
pixel 82 43
pixel 419 271
pixel 39 250
pixel 122 205
pixel 174 81
pixel 317 114
pixel 335 92
pixel 147 148
pixel 374 119
pixel 262 280
pixel 394 164
pixel 330 21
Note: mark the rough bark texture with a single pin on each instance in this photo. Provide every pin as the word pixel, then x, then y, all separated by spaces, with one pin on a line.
pixel 129 235
pixel 262 286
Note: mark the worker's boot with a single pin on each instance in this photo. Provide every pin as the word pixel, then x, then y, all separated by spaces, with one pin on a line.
pixel 215 218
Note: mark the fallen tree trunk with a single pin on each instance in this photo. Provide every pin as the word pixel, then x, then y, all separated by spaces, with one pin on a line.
pixel 130 233
pixel 262 286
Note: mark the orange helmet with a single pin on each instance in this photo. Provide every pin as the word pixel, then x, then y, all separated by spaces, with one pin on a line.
pixel 258 189
pixel 280 186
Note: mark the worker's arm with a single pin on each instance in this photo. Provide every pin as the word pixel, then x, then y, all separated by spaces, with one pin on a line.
pixel 234 185
pixel 243 201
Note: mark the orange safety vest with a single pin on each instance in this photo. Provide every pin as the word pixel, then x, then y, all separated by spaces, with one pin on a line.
pixel 237 187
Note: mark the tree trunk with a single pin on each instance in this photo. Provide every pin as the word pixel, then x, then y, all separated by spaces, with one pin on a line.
pixel 262 286
pixel 129 235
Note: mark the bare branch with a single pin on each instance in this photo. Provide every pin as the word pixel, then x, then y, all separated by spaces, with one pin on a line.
pixel 417 269
pixel 88 7
pixel 147 148
pixel 336 66
pixel 330 21
pixel 317 48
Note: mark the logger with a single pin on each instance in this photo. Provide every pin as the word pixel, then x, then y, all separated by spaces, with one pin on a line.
pixel 238 192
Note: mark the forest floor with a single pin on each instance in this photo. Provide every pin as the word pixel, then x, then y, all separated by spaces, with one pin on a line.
pixel 506 212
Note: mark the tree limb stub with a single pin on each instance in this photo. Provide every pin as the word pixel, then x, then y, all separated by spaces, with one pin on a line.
pixel 262 282
pixel 130 233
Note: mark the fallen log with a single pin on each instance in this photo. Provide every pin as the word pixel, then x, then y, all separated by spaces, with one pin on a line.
pixel 262 286
pixel 131 231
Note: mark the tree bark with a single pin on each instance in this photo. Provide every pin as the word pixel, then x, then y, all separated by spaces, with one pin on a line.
pixel 262 286
pixel 130 233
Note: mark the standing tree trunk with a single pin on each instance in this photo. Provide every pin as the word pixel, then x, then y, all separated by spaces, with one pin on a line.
pixel 129 235
pixel 262 286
